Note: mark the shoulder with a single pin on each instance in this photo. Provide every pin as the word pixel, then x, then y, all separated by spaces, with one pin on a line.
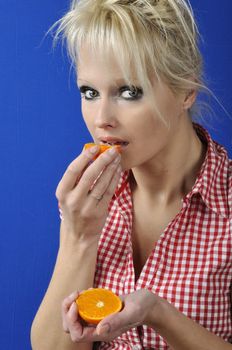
pixel 216 175
pixel 225 166
pixel 230 171
pixel 230 185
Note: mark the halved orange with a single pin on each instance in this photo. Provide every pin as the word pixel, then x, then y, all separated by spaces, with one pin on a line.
pixel 103 148
pixel 97 303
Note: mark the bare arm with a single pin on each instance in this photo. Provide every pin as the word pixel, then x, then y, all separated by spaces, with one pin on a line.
pixel 84 217
pixel 74 269
pixel 145 308
pixel 182 333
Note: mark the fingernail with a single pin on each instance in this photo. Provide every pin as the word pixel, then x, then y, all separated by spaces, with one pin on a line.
pixel 104 330
pixel 74 306
pixel 75 294
pixel 93 149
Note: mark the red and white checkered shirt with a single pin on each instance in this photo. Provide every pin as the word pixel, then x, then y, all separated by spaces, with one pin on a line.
pixel 190 265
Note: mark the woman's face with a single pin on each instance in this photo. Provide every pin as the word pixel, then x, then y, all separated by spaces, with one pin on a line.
pixel 117 113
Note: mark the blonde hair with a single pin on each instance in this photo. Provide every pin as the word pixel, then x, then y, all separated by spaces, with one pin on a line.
pixel 145 36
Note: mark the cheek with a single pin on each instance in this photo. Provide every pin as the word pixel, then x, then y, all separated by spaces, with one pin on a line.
pixel 87 115
pixel 84 111
pixel 148 123
pixel 151 135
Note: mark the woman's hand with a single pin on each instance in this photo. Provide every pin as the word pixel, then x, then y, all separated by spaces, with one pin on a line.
pixel 136 312
pixel 85 191
pixel 142 308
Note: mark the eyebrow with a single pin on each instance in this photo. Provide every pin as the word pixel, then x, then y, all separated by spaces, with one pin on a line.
pixel 81 82
pixel 118 82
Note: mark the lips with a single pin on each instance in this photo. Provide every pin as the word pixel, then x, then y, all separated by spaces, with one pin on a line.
pixel 112 141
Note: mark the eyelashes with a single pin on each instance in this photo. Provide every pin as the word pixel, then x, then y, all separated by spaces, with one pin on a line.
pixel 88 93
pixel 129 93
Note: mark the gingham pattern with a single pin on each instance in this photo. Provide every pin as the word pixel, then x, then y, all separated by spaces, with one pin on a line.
pixel 190 265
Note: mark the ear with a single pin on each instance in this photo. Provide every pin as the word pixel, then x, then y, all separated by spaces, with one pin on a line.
pixel 189 99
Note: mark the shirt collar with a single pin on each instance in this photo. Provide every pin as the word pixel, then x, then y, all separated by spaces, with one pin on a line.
pixel 212 182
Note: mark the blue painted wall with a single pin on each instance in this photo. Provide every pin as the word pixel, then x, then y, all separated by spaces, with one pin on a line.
pixel 41 131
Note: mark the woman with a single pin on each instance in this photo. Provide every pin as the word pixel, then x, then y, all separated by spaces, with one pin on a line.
pixel 153 223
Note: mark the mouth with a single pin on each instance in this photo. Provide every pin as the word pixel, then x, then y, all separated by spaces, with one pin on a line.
pixel 114 143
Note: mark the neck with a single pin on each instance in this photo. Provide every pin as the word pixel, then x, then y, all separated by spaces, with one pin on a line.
pixel 171 175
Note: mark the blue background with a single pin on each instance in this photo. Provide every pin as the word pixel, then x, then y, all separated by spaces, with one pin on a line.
pixel 41 131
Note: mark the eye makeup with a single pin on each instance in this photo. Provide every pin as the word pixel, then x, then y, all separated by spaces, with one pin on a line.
pixel 131 92
pixel 88 93
pixel 126 92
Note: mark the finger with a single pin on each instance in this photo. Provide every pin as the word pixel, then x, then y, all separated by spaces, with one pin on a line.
pixel 106 184
pixel 72 314
pixel 72 323
pixel 78 333
pixel 117 323
pixel 74 171
pixel 113 184
pixel 94 172
pixel 66 304
pixel 96 199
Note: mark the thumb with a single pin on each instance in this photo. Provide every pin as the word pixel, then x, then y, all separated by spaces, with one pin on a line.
pixel 112 323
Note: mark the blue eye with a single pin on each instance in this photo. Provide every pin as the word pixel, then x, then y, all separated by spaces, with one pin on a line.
pixel 131 92
pixel 88 93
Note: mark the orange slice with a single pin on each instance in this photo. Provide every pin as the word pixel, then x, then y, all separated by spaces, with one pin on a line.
pixel 97 303
pixel 103 148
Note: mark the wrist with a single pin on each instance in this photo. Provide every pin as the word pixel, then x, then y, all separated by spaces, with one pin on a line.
pixel 73 254
pixel 156 318
pixel 72 240
pixel 74 251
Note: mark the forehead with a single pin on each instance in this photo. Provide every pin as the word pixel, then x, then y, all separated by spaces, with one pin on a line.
pixel 103 65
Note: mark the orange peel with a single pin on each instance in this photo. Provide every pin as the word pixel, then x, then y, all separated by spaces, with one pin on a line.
pixel 102 148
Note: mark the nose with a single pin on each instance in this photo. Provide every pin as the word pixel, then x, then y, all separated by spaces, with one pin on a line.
pixel 105 115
